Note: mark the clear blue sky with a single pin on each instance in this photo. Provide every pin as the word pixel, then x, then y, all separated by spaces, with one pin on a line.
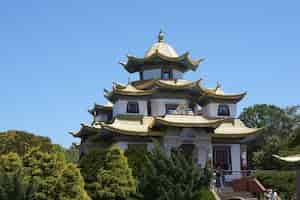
pixel 57 56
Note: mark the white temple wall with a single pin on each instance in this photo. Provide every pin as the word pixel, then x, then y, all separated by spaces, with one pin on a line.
pixel 152 74
pixel 211 110
pixel 120 107
pixel 158 106
pixel 101 117
pixel 124 145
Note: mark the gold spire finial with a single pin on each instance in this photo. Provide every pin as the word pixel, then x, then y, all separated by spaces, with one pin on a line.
pixel 161 36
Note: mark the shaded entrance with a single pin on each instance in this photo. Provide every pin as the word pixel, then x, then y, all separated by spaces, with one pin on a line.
pixel 188 151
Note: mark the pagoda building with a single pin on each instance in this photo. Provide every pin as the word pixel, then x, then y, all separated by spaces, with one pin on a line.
pixel 178 113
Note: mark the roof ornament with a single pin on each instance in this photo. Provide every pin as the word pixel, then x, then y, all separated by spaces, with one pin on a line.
pixel 161 36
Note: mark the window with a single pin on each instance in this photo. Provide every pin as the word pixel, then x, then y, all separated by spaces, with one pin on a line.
pixel 223 110
pixel 132 107
pixel 171 108
pixel 222 157
pixel 141 75
pixel 166 74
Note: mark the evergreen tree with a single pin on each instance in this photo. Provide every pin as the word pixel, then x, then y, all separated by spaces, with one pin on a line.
pixel 54 178
pixel 70 185
pixel 89 166
pixel 10 164
pixel 172 177
pixel 107 175
pixel 12 184
pixel 115 178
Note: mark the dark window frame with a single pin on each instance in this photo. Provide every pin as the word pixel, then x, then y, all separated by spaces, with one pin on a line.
pixel 223 110
pixel 141 75
pixel 166 71
pixel 130 109
pixel 170 107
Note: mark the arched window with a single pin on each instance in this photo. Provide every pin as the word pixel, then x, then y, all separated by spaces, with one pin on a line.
pixel 132 107
pixel 223 110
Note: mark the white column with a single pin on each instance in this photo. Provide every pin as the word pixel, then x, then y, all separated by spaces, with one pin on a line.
pixel 236 160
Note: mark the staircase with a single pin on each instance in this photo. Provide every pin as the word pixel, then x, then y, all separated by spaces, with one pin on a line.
pixel 227 193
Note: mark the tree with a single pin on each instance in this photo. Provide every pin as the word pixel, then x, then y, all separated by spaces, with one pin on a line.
pixel 89 166
pixel 72 154
pixel 12 184
pixel 10 163
pixel 54 178
pixel 107 175
pixel 172 177
pixel 70 185
pixel 279 124
pixel 20 141
pixel 115 177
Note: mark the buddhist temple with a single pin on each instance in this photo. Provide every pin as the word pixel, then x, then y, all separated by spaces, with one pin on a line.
pixel 200 121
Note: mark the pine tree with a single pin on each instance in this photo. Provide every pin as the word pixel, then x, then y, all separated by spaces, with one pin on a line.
pixel 70 185
pixel 115 178
pixel 172 177
pixel 12 184
pixel 54 178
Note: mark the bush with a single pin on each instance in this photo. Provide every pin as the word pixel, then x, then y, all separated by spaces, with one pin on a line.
pixel 206 194
pixel 282 181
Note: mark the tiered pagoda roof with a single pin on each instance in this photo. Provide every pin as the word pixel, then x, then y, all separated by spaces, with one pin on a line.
pixel 150 87
pixel 145 126
pixel 161 53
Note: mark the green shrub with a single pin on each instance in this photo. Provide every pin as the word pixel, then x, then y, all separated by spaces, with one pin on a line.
pixel 206 194
pixel 108 175
pixel 282 181
pixel 136 155
pixel 172 177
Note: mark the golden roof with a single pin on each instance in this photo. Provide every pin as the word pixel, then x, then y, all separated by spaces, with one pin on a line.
pixel 161 53
pixel 218 92
pixel 187 121
pixel 162 48
pixel 214 93
pixel 234 128
pixel 132 125
pixel 290 159
pixel 107 107
pixel 87 130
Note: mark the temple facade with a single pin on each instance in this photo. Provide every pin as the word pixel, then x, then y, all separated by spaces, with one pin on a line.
pixel 178 113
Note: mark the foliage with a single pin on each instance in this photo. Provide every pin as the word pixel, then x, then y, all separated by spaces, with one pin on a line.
pixel 107 175
pixel 20 141
pixel 52 176
pixel 71 185
pixel 12 184
pixel 282 181
pixel 10 164
pixel 206 194
pixel 72 154
pixel 280 125
pixel 172 177
pixel 13 187
pixel 136 159
pixel 89 166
